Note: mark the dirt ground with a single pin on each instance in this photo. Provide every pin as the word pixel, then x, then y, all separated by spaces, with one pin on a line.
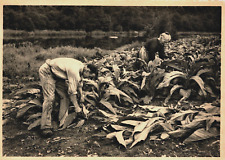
pixel 89 141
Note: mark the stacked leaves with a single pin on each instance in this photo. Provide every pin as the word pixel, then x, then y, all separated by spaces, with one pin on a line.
pixel 160 123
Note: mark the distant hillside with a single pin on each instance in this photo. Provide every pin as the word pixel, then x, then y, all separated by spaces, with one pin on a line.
pixel 154 20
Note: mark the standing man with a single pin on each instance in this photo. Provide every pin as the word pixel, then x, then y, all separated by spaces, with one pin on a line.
pixel 154 45
pixel 63 75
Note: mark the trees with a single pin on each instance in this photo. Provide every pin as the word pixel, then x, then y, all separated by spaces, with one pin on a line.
pixel 89 18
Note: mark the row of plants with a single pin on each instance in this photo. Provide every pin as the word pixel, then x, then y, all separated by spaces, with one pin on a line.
pixel 124 95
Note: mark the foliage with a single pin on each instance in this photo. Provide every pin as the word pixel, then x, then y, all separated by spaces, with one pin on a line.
pixel 122 96
pixel 152 19
pixel 194 71
pixel 199 123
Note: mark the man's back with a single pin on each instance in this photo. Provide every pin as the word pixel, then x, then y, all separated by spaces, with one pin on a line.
pixel 152 46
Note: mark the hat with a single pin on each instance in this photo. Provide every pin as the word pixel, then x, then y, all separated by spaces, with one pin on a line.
pixel 165 37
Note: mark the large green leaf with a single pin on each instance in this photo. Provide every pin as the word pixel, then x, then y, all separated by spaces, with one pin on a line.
pixel 103 80
pixel 201 83
pixel 23 110
pixel 32 88
pixel 203 71
pixel 129 90
pixel 91 82
pixel 111 135
pixel 35 124
pixel 34 116
pixel 69 119
pixel 116 70
pixel 132 84
pixel 112 117
pixel 181 115
pixel 79 124
pixel 178 133
pixel 151 126
pixel 36 102
pixel 201 134
pixel 120 139
pixel 131 122
pixel 195 124
pixel 210 108
pixel 141 136
pixel 90 101
pixel 143 82
pixel 166 126
pixel 170 76
pixel 107 105
pixel 114 91
pixel 173 89
pixel 140 127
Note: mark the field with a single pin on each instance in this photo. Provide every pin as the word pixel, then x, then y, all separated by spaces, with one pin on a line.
pixel 166 108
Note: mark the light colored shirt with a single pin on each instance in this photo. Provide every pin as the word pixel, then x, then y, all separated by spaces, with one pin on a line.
pixel 68 69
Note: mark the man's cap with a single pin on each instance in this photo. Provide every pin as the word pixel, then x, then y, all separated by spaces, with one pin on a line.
pixel 166 37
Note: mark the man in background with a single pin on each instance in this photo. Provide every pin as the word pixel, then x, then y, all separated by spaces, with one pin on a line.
pixel 148 51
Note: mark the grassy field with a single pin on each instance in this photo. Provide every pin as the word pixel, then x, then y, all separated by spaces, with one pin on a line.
pixel 8 34
pixel 25 60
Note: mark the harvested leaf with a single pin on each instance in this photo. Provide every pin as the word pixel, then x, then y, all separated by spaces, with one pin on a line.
pixel 80 123
pixel 201 134
pixel 129 140
pixel 91 82
pixel 141 136
pixel 140 127
pixel 170 76
pixel 210 108
pixel 167 126
pixel 36 102
pixel 173 89
pixel 181 115
pixel 201 84
pixel 118 127
pixel 131 122
pixel 69 119
pixel 108 105
pixel 111 135
pixel 23 110
pixel 119 137
pixel 152 138
pixel 164 135
pixel 33 91
pixel 143 82
pixel 35 124
pixel 113 117
pixel 178 133
pixel 34 116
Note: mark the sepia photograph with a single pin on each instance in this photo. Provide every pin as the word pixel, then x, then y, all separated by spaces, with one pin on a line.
pixel 111 80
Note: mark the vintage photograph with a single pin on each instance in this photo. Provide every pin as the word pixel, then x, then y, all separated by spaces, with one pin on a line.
pixel 111 81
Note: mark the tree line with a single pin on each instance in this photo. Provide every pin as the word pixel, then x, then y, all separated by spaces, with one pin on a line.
pixel 113 18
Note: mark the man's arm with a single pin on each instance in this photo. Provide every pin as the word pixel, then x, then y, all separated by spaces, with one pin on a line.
pixel 73 98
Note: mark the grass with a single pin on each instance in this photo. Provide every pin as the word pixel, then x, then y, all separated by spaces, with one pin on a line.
pixel 25 60
pixel 9 34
